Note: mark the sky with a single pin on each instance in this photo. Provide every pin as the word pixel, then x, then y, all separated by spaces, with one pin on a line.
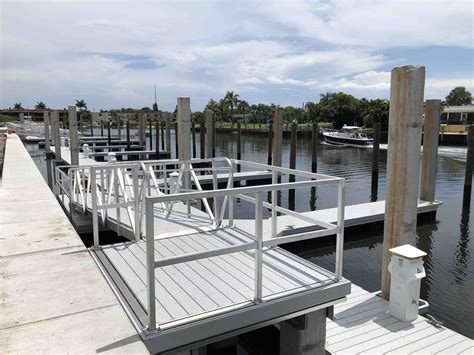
pixel 112 53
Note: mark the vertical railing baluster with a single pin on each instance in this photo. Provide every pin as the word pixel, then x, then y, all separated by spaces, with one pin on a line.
pixel 258 249
pixel 231 197
pixel 274 203
pixel 136 196
pixel 150 263
pixel 95 221
pixel 340 224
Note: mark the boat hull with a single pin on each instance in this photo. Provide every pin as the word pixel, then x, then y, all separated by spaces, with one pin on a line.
pixel 339 140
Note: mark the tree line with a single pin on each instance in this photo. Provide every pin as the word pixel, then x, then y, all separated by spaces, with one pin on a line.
pixel 337 108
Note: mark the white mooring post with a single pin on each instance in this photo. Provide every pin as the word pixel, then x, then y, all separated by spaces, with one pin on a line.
pixel 403 162
pixel 277 141
pixel 73 141
pixel 430 150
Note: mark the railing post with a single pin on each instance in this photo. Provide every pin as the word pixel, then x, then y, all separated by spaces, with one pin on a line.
pixel 274 203
pixel 340 224
pixel 95 219
pixel 136 196
pixel 258 249
pixel 150 263
pixel 231 197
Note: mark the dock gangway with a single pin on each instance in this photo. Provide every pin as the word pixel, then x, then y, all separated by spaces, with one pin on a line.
pixel 190 276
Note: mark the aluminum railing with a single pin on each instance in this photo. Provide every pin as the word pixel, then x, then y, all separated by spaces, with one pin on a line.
pixel 259 243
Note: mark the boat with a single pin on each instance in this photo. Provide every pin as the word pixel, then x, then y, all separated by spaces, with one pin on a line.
pixel 348 135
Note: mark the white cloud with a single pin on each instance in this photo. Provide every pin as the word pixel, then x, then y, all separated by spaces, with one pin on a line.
pixel 60 51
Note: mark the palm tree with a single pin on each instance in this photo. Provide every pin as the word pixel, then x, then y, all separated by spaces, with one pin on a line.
pixel 232 101
pixel 18 106
pixel 81 104
pixel 40 105
pixel 244 107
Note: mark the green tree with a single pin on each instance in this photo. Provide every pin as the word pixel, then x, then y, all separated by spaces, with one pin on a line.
pixel 81 105
pixel 338 108
pixel 313 111
pixel 459 96
pixel 18 106
pixel 244 107
pixel 40 105
pixel 232 101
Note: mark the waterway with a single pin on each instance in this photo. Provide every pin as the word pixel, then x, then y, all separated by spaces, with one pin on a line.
pixel 449 284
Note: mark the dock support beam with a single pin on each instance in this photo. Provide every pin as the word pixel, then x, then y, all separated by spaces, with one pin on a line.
pixel 277 136
pixel 430 150
pixel 305 334
pixel 403 162
pixel 210 144
pixel 73 140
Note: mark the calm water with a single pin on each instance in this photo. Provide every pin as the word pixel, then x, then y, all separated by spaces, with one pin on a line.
pixel 449 265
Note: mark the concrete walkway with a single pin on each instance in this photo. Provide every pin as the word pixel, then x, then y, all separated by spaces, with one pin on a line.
pixel 53 297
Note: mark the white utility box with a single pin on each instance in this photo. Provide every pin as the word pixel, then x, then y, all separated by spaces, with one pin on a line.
pixel 406 270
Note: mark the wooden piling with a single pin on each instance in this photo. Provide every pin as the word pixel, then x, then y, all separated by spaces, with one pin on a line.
pixel 119 126
pixel 22 118
pixel 157 139
pixel 210 150
pixel 128 134
pixel 101 128
pixel 150 129
pixel 314 147
pixel 109 138
pixel 92 124
pixel 176 140
pixel 375 163
pixel 46 131
pixel 162 127
pixel 277 136
pixel 193 133
pixel 469 167
pixel 239 144
pixel 430 149
pixel 403 162
pixel 270 144
pixel 168 131
pixel 202 132
pixel 291 178
pixel 73 139
pixel 141 129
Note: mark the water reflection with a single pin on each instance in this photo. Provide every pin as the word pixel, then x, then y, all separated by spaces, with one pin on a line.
pixel 313 198
pixel 424 242
pixel 462 254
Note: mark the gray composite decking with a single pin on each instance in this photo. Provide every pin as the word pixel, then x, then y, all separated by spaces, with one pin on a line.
pixel 193 288
pixel 363 325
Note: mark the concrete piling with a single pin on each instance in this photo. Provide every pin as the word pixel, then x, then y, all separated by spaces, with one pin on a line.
pixel 314 147
pixel 56 133
pixel 73 139
pixel 430 150
pixel 46 131
pixel 375 163
pixel 469 167
pixel 277 136
pixel 403 162
pixel 305 334
pixel 183 124
pixel 176 140
pixel 22 118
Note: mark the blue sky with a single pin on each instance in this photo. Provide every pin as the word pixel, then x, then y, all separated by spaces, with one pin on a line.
pixel 111 53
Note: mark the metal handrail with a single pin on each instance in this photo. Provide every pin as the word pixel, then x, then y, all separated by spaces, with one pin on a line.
pixel 258 244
